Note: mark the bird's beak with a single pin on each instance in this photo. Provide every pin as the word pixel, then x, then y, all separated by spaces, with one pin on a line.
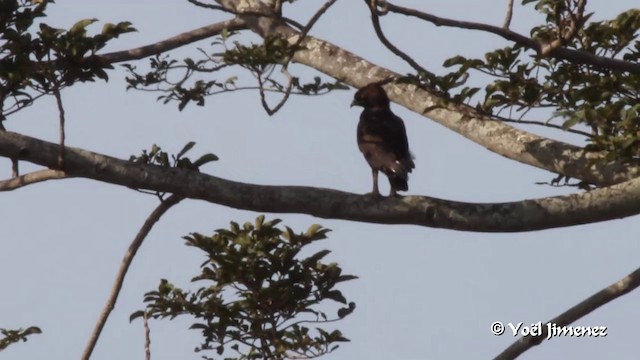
pixel 355 103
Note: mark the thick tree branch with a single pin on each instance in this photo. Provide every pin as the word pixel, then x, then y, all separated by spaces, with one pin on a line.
pixel 174 42
pixel 122 272
pixel 601 298
pixel 598 205
pixel 574 56
pixel 31 178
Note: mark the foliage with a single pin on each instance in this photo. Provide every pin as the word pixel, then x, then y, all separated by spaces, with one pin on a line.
pixel 606 101
pixel 258 295
pixel 155 156
pixel 14 336
pixel 33 64
pixel 180 80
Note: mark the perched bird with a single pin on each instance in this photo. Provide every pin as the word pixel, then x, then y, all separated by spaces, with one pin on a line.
pixel 382 139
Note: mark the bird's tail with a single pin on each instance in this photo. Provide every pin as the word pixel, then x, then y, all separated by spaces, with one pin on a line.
pixel 398 183
pixel 398 175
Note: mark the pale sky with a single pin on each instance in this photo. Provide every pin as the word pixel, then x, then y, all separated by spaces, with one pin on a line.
pixel 422 294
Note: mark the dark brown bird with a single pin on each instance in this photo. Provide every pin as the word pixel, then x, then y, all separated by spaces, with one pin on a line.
pixel 382 139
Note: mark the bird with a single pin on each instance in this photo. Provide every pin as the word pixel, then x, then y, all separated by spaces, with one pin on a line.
pixel 382 139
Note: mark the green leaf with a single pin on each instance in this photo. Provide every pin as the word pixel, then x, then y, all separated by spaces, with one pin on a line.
pixel 79 27
pixel 135 315
pixel 186 148
pixel 206 158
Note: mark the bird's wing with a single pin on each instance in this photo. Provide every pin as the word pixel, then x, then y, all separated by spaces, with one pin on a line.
pixel 385 130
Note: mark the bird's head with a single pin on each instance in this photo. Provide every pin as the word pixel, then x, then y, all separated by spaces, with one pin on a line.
pixel 370 96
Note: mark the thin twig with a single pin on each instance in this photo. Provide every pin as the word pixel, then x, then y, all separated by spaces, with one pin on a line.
pixel 507 18
pixel 15 168
pixel 545 124
pixel 147 338
pixel 376 26
pixel 31 178
pixel 595 301
pixel 276 13
pixel 56 94
pixel 124 267
pixel 323 9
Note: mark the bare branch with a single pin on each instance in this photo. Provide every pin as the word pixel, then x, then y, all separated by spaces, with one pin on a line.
pixel 31 178
pixel 545 124
pixel 321 11
pixel 124 267
pixel 507 18
pixel 174 42
pixel 383 39
pixel 574 56
pixel 15 168
pixel 56 94
pixel 602 204
pixel 284 69
pixel 147 338
pixel 595 301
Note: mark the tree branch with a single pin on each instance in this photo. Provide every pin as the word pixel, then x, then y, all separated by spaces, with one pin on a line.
pixel 598 205
pixel 174 42
pixel 508 16
pixel 599 299
pixel 574 56
pixel 375 21
pixel 32 178
pixel 124 268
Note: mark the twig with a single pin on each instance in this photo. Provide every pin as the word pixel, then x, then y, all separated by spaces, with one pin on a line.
pixel 595 301
pixel 124 267
pixel 15 168
pixel 323 9
pixel 56 93
pixel 31 178
pixel 276 14
pixel 282 101
pixel 573 56
pixel 545 124
pixel 376 26
pixel 507 18
pixel 147 338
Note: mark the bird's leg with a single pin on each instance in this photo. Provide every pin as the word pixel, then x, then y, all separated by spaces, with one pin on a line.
pixel 375 191
pixel 393 192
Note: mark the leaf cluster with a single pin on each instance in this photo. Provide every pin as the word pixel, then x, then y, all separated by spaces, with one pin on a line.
pixel 603 100
pixel 14 336
pixel 155 156
pixel 35 61
pixel 258 293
